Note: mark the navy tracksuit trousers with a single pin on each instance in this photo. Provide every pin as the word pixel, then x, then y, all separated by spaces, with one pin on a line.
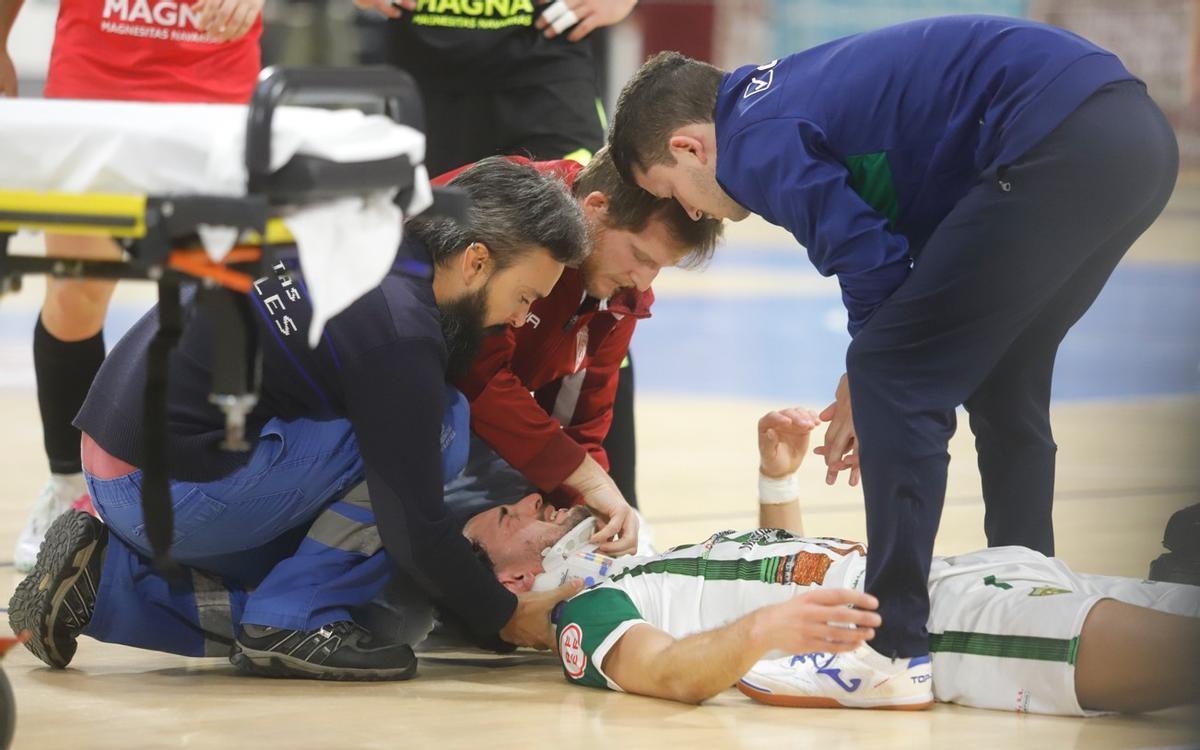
pixel 978 323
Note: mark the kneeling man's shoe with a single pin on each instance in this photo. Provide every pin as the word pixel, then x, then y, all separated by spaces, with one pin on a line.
pixel 1182 535
pixel 1173 567
pixel 56 600
pixel 861 678
pixel 339 651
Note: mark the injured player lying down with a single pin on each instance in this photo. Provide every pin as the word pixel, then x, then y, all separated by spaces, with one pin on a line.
pixel 783 617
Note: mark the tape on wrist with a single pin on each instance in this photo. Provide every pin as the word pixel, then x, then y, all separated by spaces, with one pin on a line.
pixel 777 491
pixel 559 16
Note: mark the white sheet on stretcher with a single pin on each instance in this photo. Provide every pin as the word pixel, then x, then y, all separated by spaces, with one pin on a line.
pixel 346 246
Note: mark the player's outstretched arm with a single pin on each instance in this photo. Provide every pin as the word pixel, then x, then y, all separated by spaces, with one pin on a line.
pixel 783 438
pixel 649 661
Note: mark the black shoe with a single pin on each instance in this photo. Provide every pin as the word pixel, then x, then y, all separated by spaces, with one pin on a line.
pixel 56 600
pixel 1182 534
pixel 339 651
pixel 1172 567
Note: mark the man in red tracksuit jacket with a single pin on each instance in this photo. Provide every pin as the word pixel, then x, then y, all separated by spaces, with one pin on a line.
pixel 542 395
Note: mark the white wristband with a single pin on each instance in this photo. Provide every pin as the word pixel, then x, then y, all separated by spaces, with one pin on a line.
pixel 773 491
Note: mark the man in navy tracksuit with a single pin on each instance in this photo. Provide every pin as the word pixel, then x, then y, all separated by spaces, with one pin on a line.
pixel 972 182
pixel 343 485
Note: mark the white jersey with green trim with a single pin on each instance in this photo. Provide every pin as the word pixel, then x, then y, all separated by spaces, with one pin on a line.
pixel 1004 623
pixel 699 587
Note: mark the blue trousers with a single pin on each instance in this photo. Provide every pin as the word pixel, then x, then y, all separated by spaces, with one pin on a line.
pixel 978 323
pixel 289 540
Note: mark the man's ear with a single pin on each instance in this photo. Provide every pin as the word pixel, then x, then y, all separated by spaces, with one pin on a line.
pixel 515 581
pixel 686 145
pixel 595 204
pixel 476 262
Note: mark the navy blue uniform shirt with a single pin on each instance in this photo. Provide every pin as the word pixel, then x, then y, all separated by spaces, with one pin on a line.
pixel 380 364
pixel 861 146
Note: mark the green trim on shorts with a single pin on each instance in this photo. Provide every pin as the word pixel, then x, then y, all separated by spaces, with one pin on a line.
pixel 625 362
pixel 1005 646
pixel 600 112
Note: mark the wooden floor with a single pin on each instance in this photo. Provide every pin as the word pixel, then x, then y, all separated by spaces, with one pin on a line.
pixel 1124 466
pixel 1123 470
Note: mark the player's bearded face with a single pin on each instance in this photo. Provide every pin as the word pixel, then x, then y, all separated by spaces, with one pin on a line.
pixel 514 535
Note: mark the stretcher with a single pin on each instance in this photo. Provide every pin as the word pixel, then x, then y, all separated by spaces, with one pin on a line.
pixel 212 197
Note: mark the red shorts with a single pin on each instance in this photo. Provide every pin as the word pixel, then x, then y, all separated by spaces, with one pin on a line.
pixel 147 50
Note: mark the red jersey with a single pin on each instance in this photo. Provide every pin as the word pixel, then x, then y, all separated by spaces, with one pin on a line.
pixel 542 395
pixel 147 50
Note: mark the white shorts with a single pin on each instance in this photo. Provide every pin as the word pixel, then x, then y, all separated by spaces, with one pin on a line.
pixel 1004 626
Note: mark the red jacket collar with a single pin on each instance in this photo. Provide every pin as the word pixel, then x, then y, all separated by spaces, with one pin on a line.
pixel 629 302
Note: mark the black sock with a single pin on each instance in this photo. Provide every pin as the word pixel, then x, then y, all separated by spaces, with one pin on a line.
pixel 64 370
pixel 621 443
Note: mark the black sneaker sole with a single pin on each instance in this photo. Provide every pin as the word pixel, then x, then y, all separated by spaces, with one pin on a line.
pixel 1173 567
pixel 37 603
pixel 274 664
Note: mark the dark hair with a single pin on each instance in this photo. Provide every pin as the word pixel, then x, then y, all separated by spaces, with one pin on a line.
pixel 630 208
pixel 668 92
pixel 514 209
pixel 460 628
pixel 482 555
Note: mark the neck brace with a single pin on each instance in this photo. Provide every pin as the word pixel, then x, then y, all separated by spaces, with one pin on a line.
pixel 574 558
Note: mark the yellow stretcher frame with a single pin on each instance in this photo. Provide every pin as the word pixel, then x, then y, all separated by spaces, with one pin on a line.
pixel 153 227
pixel 97 214
pixel 125 217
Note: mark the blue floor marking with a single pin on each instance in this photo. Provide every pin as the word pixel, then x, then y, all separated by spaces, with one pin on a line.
pixel 1141 338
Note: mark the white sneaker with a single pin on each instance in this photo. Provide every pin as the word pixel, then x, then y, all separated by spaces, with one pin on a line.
pixel 861 678
pixel 60 493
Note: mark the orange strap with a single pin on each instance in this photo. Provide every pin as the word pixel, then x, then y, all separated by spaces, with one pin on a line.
pixel 197 263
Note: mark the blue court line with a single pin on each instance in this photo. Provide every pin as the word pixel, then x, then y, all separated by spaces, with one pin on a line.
pixel 1141 338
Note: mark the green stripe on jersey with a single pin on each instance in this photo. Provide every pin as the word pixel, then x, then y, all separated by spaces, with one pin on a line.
pixel 1005 646
pixel 710 570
